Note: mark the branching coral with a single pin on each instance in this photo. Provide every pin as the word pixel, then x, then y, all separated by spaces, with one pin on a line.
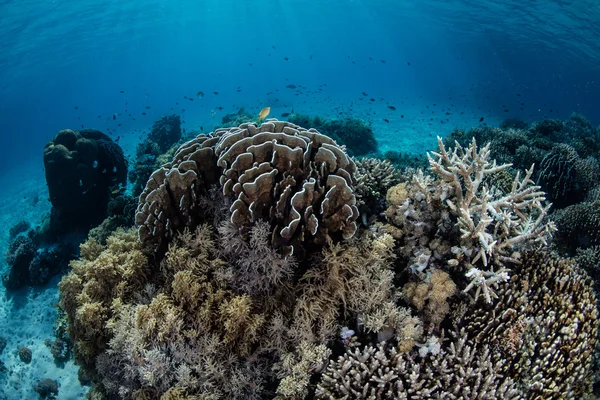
pixel 537 341
pixel 459 372
pixel 374 177
pixel 491 223
pixel 458 221
pixel 544 326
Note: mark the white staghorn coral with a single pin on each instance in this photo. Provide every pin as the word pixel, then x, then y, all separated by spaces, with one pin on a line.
pixel 484 281
pixel 492 223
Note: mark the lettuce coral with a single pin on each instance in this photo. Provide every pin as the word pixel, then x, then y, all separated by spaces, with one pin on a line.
pixel 298 179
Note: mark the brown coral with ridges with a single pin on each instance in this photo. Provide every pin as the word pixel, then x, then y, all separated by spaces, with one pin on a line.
pixel 170 201
pixel 298 179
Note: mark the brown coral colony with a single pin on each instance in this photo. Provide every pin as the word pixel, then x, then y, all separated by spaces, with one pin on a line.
pixel 299 180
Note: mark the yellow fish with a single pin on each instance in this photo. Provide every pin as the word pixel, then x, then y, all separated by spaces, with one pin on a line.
pixel 263 113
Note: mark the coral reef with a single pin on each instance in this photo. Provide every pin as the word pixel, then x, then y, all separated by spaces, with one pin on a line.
pixel 537 341
pixel 24 354
pixel 19 227
pixel 299 180
pixel 566 154
pixel 31 262
pixel 382 372
pixel 544 325
pixel 504 143
pixel 233 335
pixel 356 134
pixel 229 290
pixel 19 255
pixel 103 275
pixel 235 119
pixel 373 179
pixel 82 168
pixel 514 123
pixel 547 127
pixel 404 160
pixel 578 226
pixel 121 214
pixel 46 388
pixel 165 133
pixel 565 176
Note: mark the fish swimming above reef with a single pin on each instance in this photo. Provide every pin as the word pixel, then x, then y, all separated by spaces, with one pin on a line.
pixel 200 94
pixel 264 113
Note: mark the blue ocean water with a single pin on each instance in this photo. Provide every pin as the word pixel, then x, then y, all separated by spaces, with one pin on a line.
pixel 118 66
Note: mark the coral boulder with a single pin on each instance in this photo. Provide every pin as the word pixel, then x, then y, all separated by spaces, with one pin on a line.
pixel 81 168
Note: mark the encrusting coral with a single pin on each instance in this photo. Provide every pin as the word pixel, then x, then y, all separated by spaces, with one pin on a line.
pixel 206 302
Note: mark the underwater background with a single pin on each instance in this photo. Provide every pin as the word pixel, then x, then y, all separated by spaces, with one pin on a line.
pixel 410 71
